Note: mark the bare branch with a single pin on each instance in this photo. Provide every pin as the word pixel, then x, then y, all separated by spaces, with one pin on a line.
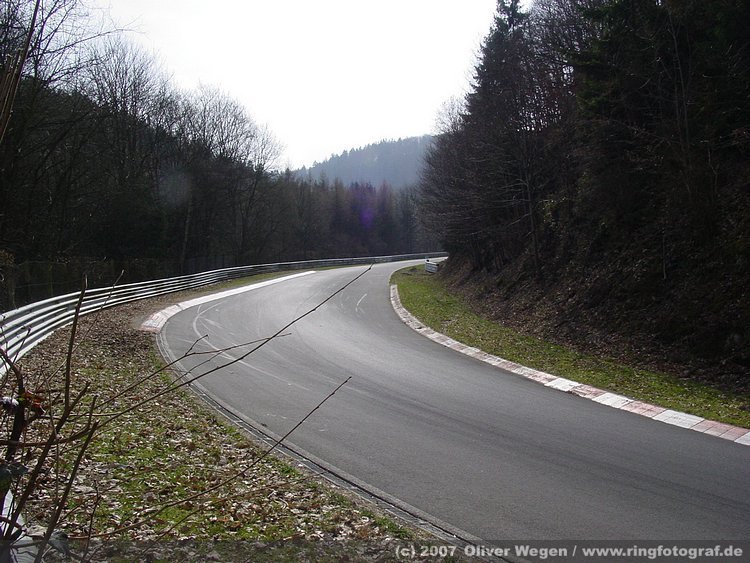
pixel 240 358
pixel 189 353
pixel 238 474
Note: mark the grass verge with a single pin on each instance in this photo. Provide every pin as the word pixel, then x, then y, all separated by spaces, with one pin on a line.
pixel 432 303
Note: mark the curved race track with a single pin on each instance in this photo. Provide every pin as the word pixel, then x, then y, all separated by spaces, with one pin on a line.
pixel 491 453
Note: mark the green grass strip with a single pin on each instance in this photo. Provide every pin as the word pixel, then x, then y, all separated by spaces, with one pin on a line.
pixel 433 304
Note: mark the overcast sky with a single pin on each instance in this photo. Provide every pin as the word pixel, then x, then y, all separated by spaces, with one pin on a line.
pixel 324 75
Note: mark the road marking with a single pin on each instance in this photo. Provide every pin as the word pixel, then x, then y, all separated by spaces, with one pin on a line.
pixel 157 321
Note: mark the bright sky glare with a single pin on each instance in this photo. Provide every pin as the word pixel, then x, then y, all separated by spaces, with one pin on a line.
pixel 324 75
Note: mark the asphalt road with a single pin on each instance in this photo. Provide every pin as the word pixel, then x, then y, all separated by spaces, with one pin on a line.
pixel 489 452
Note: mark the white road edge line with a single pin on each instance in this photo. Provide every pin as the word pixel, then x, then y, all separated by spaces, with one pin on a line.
pixel 735 434
pixel 156 321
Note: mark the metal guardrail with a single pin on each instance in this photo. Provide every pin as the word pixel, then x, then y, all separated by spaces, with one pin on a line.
pixel 23 328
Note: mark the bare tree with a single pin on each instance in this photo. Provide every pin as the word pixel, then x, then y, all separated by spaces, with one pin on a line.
pixel 220 124
pixel 43 51
pixel 132 131
pixel 15 51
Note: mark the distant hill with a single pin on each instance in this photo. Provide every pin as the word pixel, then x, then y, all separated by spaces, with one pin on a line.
pixel 397 163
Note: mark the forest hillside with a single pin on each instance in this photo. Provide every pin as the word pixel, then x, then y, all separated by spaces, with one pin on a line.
pixel 396 163
pixel 595 187
pixel 108 167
